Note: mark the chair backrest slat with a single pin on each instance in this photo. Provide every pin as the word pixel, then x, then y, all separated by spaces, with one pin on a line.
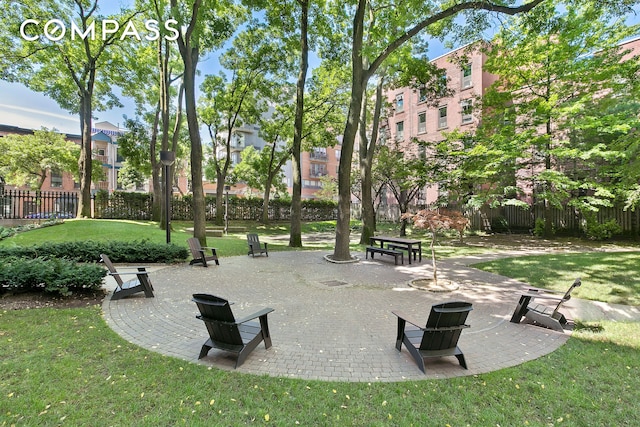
pixel 111 269
pixel 195 247
pixel 218 317
pixel 450 316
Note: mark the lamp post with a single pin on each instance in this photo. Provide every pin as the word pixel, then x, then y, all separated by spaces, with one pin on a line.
pixel 167 158
pixel 226 209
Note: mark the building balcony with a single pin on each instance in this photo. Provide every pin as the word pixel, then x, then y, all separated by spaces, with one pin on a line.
pixel 102 185
pixel 317 173
pixel 314 155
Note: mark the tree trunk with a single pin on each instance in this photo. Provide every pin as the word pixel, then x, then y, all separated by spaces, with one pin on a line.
pixel 358 83
pixel 85 161
pixel 367 150
pixel 199 219
pixel 157 212
pixel 267 194
pixel 295 232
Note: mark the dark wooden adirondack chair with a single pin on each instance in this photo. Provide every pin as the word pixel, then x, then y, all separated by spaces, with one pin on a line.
pixel 254 246
pixel 440 335
pixel 198 253
pixel 228 334
pixel 140 284
pixel 542 314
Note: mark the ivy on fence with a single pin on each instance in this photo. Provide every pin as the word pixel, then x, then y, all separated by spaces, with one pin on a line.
pixel 137 206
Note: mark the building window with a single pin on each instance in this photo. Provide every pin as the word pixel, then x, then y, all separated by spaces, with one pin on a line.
pixel 422 122
pixel 466 76
pixel 442 117
pixel 238 140
pixel 338 152
pixel 467 110
pixel 318 169
pixel 399 103
pixel 383 136
pixel 56 178
pixel 235 157
pixel 318 154
pixel 422 94
pixel 422 152
pixel 400 131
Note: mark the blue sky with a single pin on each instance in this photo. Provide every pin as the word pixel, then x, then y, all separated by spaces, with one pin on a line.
pixel 22 107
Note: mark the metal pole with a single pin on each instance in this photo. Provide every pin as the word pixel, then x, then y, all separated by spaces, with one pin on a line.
pixel 167 158
pixel 167 201
pixel 226 210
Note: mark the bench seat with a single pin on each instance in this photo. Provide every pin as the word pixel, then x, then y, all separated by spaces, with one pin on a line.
pixel 385 251
pixel 405 248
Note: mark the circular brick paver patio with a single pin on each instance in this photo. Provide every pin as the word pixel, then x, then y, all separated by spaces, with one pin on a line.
pixel 331 321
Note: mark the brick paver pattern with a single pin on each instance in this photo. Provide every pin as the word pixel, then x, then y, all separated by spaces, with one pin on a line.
pixel 331 321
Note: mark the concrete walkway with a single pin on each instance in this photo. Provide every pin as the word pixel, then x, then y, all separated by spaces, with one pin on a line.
pixel 334 321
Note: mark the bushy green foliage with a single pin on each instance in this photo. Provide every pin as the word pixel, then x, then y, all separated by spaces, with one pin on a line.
pixel 89 251
pixel 49 275
pixel 595 230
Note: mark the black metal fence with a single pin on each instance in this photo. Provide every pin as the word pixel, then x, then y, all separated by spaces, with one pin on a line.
pixel 19 204
pixel 35 205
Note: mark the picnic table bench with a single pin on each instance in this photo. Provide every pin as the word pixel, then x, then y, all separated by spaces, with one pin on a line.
pixel 385 251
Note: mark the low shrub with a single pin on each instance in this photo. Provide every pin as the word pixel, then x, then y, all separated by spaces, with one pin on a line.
pixel 602 231
pixel 89 251
pixel 49 275
pixel 6 232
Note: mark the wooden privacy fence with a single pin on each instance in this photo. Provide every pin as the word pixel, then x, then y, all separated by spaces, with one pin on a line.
pixel 514 218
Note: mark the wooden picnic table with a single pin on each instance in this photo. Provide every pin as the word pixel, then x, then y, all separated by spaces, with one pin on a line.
pixel 399 241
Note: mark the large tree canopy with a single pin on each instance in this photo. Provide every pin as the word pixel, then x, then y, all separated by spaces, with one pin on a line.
pixel 27 159
pixel 377 31
pixel 73 67
pixel 556 123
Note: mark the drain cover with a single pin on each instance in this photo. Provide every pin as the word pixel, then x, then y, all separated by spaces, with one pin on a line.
pixel 333 283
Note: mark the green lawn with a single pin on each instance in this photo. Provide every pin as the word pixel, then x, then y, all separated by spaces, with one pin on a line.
pixel 67 367
pixel 612 277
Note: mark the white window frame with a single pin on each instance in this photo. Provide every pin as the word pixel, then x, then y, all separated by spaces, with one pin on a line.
pixel 399 103
pixel 422 94
pixel 422 122
pixel 400 131
pixel 467 80
pixel 442 119
pixel 466 110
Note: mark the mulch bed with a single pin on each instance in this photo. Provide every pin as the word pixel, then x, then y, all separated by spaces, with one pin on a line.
pixel 27 300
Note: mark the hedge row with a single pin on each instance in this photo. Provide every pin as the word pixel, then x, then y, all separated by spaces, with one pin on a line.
pixel 70 267
pixel 89 251
pixel 49 275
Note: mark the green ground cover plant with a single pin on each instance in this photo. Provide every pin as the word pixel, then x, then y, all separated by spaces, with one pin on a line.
pixel 612 277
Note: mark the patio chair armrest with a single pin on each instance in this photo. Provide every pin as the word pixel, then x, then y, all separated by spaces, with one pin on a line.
pixel 407 319
pixel 535 294
pixel 255 315
pixel 446 328
pixel 118 273
pixel 138 268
